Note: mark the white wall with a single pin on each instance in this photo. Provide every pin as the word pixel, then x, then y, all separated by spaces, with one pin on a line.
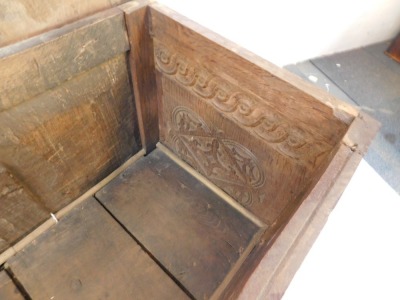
pixel 288 31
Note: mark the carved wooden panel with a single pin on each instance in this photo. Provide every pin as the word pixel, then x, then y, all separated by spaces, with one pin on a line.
pixel 263 181
pixel 247 110
pixel 207 120
pixel 229 164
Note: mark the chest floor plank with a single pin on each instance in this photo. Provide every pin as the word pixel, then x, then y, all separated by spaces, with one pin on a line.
pixel 87 255
pixel 8 290
pixel 196 235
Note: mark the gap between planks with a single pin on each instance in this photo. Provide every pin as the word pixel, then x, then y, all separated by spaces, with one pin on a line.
pixel 54 218
pixel 213 187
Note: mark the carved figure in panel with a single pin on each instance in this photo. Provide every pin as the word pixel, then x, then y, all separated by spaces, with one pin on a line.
pixel 228 164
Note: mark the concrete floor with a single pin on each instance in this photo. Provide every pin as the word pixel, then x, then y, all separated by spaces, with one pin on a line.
pixel 369 79
pixel 356 255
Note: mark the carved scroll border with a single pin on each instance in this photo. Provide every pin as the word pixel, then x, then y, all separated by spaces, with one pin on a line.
pixel 247 110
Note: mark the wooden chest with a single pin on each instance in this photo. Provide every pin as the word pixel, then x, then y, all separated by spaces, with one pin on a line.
pixel 145 157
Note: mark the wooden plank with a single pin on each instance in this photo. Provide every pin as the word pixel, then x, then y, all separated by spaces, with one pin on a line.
pixel 21 19
pixel 238 122
pixel 8 290
pixel 52 220
pixel 31 67
pixel 66 140
pixel 261 83
pixel 191 231
pixel 141 60
pixel 87 255
pixel 20 210
pixel 220 150
pixel 280 260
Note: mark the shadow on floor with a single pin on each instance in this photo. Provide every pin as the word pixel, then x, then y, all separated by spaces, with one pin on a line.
pixel 369 79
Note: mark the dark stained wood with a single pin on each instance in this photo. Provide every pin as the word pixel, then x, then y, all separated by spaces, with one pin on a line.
pixel 220 150
pixel 141 60
pixel 20 210
pixel 228 113
pixel 87 255
pixel 64 141
pixel 31 67
pixel 394 49
pixel 226 68
pixel 8 290
pixel 281 148
pixel 251 133
pixel 21 19
pixel 195 234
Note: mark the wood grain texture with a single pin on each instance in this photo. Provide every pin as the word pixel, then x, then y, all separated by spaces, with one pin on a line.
pixel 64 141
pixel 197 236
pixel 141 60
pixel 87 255
pixel 256 136
pixel 223 152
pixel 31 67
pixel 8 290
pixel 20 209
pixel 204 49
pixel 21 19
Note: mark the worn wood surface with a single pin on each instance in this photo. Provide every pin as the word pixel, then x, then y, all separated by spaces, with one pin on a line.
pixel 260 139
pixel 394 49
pixel 237 119
pixel 142 68
pixel 67 139
pixel 277 145
pixel 203 51
pixel 197 236
pixel 220 150
pixel 87 255
pixel 21 19
pixel 8 290
pixel 20 209
pixel 31 67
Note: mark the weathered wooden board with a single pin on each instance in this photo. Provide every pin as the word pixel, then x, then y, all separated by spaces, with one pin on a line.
pixel 8 290
pixel 207 66
pixel 141 58
pixel 20 209
pixel 31 67
pixel 199 238
pixel 87 255
pixel 21 19
pixel 265 183
pixel 260 139
pixel 64 141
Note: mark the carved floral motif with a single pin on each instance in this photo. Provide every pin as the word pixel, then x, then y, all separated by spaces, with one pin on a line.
pixel 228 164
pixel 247 110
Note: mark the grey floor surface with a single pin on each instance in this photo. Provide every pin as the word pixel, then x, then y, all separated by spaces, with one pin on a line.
pixel 369 79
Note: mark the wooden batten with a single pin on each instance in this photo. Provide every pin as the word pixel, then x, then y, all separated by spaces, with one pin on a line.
pixel 141 61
